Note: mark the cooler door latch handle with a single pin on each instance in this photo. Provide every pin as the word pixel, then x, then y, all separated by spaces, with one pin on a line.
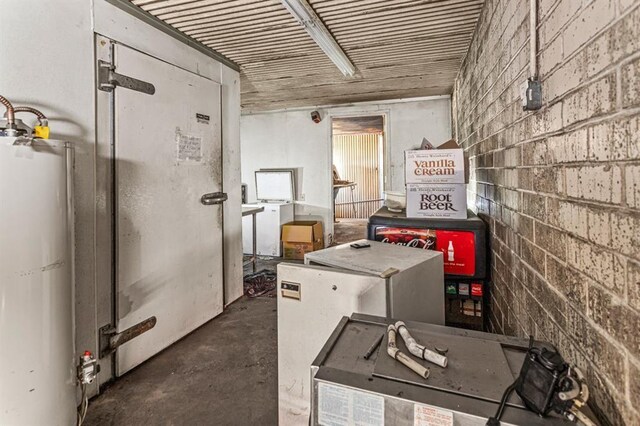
pixel 213 198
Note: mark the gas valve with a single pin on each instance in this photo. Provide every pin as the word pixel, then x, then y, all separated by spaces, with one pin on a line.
pixel 88 368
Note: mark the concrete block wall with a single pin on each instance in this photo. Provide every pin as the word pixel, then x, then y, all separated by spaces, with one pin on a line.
pixel 560 187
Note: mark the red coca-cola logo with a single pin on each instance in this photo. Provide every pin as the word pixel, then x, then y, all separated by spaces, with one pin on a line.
pixel 416 242
pixel 418 238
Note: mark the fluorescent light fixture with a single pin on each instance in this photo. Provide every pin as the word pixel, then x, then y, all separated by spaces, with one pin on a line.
pixel 305 15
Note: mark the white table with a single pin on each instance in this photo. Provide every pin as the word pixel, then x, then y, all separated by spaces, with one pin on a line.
pixel 253 211
pixel 336 188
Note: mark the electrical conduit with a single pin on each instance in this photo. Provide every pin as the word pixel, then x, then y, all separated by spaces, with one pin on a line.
pixel 533 48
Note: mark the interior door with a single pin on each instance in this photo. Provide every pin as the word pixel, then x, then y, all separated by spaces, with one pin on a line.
pixel 168 243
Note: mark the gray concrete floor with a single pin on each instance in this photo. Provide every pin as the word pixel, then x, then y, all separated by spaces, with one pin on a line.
pixel 224 373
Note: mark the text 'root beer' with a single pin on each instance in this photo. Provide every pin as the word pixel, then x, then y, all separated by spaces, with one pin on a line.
pixel 436 202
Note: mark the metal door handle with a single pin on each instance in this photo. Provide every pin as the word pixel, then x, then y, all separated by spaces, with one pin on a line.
pixel 213 198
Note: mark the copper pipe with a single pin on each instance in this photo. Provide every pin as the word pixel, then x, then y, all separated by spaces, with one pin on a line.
pixel 10 114
pixel 42 119
pixel 34 111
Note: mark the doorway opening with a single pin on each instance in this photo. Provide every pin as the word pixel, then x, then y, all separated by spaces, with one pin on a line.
pixel 358 173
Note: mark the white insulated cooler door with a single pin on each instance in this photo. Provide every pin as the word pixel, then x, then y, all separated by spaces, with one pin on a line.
pixel 169 245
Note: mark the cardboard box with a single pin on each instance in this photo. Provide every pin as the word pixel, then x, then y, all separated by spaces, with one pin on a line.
pixel 443 201
pixel 434 166
pixel 450 144
pixel 300 237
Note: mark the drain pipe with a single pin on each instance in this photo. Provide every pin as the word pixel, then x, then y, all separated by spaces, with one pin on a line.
pixel 394 352
pixel 419 350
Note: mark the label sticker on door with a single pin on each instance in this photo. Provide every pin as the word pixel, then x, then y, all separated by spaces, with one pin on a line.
pixel 189 147
pixel 202 118
pixel 425 415
pixel 338 406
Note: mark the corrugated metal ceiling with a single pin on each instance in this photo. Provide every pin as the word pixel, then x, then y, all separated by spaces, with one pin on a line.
pixel 401 48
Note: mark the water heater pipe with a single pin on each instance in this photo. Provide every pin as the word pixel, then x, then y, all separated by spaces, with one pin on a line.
pixel 32 110
pixel 533 35
pixel 10 112
pixel 42 119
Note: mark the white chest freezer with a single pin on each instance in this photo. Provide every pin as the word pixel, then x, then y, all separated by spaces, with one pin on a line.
pixel 275 192
pixel 384 279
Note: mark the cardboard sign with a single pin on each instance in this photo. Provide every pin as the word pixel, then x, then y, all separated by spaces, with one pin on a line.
pixel 434 166
pixel 437 201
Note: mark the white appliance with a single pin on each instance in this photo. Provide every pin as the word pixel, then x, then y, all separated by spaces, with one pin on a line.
pixel 383 279
pixel 37 374
pixel 275 192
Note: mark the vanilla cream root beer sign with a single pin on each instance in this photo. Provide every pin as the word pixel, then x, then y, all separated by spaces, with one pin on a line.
pixel 434 166
pixel 446 201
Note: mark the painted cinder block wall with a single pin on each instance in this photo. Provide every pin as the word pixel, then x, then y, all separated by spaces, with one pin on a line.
pixel 560 187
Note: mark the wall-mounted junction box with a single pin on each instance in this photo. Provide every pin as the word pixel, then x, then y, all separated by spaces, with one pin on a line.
pixel 531 94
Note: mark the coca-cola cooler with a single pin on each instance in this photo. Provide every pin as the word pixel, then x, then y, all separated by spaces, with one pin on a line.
pixel 464 245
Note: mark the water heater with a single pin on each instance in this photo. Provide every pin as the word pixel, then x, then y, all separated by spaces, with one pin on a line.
pixel 37 373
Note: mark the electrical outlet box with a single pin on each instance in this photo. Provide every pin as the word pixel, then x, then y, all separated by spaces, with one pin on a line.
pixel 531 94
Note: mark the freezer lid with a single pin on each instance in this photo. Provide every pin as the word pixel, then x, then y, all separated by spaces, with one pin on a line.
pixel 470 387
pixel 275 185
pixel 375 260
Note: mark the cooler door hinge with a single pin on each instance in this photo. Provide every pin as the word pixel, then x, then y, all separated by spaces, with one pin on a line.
pixel 110 340
pixel 109 79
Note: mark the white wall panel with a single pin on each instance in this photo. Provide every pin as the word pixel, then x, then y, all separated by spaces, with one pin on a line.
pixel 291 139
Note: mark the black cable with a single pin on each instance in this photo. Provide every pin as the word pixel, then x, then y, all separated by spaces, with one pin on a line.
pixel 495 420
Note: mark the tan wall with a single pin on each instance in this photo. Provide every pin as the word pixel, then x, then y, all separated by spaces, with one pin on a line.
pixel 560 187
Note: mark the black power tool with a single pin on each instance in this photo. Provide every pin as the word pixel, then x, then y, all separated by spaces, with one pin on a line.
pixel 547 383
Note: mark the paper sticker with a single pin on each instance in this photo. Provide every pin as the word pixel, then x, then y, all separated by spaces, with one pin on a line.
pixel 425 415
pixel 202 118
pixel 189 147
pixel 338 406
